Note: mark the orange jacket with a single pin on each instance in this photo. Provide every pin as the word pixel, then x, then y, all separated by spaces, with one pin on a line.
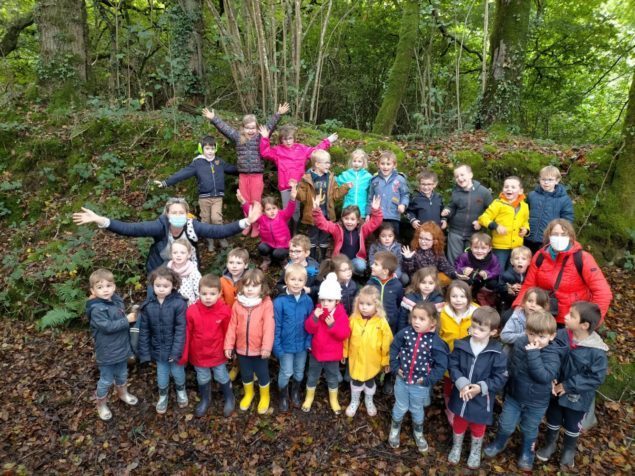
pixel 228 290
pixel 251 329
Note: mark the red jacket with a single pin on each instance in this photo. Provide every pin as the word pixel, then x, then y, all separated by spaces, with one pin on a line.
pixel 275 233
pixel 593 288
pixel 337 230
pixel 327 344
pixel 205 334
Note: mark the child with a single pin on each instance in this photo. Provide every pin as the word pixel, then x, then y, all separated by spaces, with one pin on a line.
pixel 274 228
pixel 248 161
pixel 250 334
pixel 426 249
pixel 392 187
pixel 329 327
pixel 350 235
pixel 478 368
pixel 419 358
pixel 549 200
pixel 367 348
pixel 343 268
pixel 290 159
pixel 386 242
pixel 583 370
pixel 207 322
pixel 290 341
pixel 511 280
pixel 237 262
pixel 359 176
pixel 162 334
pixel 424 288
pixel 469 200
pixel 390 288
pixel 533 364
pixel 535 299
pixel 111 330
pixel 319 182
pixel 425 204
pixel 181 252
pixel 299 249
pixel 209 171
pixel 508 219
pixel 479 267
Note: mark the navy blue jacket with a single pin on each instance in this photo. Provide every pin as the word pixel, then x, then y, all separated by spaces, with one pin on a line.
pixel 391 294
pixel 349 291
pixel 547 206
pixel 210 175
pixel 488 369
pixel 409 301
pixel 312 270
pixel 425 209
pixel 110 329
pixel 532 371
pixel 159 229
pixel 422 358
pixel 162 328
pixel 509 276
pixel 290 314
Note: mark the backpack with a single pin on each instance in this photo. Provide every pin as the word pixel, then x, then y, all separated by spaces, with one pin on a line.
pixel 577 261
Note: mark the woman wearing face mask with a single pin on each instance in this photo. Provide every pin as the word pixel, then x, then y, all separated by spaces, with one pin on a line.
pixel 173 224
pixel 554 269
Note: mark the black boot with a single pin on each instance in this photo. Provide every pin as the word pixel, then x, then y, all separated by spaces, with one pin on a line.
pixel 389 384
pixel 205 392
pixel 295 393
pixel 230 400
pixel 284 398
pixel 569 448
pixel 551 443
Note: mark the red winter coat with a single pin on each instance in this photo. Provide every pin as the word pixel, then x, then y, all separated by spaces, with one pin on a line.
pixel 275 233
pixel 337 230
pixel 205 334
pixel 593 288
pixel 327 344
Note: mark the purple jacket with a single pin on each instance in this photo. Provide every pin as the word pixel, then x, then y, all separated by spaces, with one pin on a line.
pixel 489 264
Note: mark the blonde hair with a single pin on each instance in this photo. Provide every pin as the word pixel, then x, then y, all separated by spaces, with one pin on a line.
pixel 359 153
pixel 301 241
pixel 480 237
pixel 388 154
pixel 100 275
pixel 175 201
pixel 319 154
pixel 240 253
pixel 550 171
pixel 183 242
pixel 373 293
pixel 295 269
pixel 521 250
pixel 247 119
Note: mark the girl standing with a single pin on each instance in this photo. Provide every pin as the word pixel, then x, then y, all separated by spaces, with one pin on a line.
pixel 181 263
pixel 359 176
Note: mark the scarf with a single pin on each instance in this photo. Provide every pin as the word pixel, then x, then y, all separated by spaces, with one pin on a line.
pixel 516 202
pixel 248 302
pixel 184 270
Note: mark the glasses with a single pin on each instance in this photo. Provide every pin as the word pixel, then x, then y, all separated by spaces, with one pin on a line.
pixel 295 252
pixel 429 240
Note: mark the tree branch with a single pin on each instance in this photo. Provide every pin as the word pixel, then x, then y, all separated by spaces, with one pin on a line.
pixel 9 41
pixel 446 34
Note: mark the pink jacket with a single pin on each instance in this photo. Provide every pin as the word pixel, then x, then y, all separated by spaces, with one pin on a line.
pixel 290 161
pixel 337 230
pixel 327 344
pixel 275 233
pixel 251 329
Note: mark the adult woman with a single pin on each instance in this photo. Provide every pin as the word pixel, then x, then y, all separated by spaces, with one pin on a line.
pixel 170 226
pixel 426 249
pixel 555 268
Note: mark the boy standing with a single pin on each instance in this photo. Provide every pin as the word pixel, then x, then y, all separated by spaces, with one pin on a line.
pixel 299 251
pixel 469 200
pixel 425 204
pixel 392 187
pixel 111 331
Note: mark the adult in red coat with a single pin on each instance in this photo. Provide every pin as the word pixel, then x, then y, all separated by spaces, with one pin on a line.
pixel 558 254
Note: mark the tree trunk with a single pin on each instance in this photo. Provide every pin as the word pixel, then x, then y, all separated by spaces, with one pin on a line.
pixel 194 90
pixel 63 46
pixel 400 71
pixel 507 59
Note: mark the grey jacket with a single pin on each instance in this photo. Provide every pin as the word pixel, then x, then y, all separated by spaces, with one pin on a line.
pixel 466 206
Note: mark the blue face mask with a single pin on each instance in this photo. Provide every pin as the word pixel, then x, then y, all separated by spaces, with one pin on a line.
pixel 178 221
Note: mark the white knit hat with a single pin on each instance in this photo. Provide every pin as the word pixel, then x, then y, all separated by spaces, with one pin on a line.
pixel 330 288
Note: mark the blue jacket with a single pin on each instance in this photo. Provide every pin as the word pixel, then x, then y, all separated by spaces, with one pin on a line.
pixel 488 369
pixel 393 192
pixel 425 209
pixel 290 314
pixel 422 358
pixel 210 176
pixel 159 230
pixel 532 371
pixel 583 370
pixel 409 301
pixel 390 293
pixel 162 328
pixel 358 195
pixel 349 291
pixel 546 206
pixel 110 329
pixel 466 206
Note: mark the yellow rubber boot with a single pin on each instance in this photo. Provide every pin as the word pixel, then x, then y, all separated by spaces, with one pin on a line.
pixel 245 403
pixel 263 404
pixel 335 404
pixel 308 400
pixel 233 373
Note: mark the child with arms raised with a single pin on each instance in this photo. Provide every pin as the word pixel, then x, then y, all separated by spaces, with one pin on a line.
pixel 392 187
pixel 359 177
pixel 424 288
pixel 181 263
pixel 426 204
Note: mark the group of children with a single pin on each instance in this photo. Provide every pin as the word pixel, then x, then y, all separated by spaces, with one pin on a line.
pixel 322 319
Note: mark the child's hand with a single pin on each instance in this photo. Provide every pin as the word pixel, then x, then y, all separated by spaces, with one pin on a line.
pixel 264 132
pixel 523 232
pixel 376 203
pixel 228 353
pixel 444 224
pixel 469 392
pixel 240 198
pixel 318 312
pixel 158 183
pixel 401 208
pixel 501 230
pixel 343 361
pixel 445 212
pixel 209 114
pixel 558 390
pixel 531 346
pixel 483 274
pixel 317 200
pixel 255 212
pixel 307 289
pixel 329 320
pixel 283 108
pixel 400 373
pixel 265 354
pixel 476 225
pixel 132 317
pixel 293 183
pixel 407 252
pixel 332 138
pixel 416 224
pixel 516 288
pixel 349 185
pixel 467 271
pixel 387 369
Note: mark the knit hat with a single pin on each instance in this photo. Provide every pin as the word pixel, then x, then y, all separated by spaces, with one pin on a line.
pixel 330 288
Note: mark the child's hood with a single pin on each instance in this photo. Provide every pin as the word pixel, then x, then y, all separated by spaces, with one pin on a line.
pixel 594 341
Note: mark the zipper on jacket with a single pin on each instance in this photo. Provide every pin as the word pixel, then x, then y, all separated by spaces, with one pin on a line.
pixel 247 333
pixel 414 358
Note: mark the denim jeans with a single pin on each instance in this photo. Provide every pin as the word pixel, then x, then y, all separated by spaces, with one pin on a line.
pixel 331 370
pixel 291 365
pixel 409 397
pixel 204 374
pixel 529 417
pixel 359 266
pixel 117 373
pixel 251 365
pixel 503 257
pixel 164 369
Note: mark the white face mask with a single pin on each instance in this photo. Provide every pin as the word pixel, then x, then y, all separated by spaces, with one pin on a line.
pixel 559 243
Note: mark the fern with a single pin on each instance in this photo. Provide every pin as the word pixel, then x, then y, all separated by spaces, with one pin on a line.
pixel 56 317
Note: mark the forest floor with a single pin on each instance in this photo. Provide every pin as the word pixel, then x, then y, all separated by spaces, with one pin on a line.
pixel 50 425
